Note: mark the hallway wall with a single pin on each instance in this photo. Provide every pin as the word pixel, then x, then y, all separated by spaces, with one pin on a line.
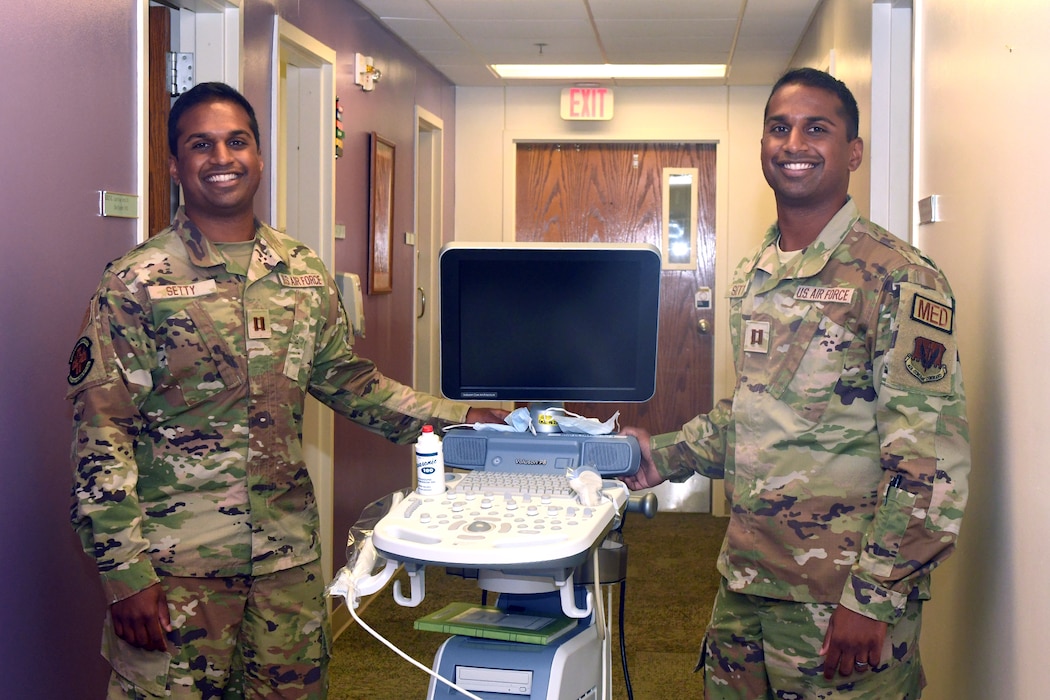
pixel 982 103
pixel 68 122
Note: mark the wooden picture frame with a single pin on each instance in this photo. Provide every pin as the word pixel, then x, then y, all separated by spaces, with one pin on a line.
pixel 380 216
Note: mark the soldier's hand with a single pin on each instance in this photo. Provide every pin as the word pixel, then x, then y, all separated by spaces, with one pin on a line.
pixel 486 415
pixel 852 644
pixel 142 619
pixel 646 476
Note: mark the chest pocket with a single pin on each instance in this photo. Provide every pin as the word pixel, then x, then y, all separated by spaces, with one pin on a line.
pixel 198 360
pixel 807 367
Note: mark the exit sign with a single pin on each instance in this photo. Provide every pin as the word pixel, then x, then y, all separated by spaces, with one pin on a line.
pixel 587 103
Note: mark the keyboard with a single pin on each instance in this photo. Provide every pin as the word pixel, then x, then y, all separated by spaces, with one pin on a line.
pixel 502 520
pixel 503 483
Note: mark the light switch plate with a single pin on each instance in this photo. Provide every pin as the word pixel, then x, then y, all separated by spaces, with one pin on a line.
pixel 930 209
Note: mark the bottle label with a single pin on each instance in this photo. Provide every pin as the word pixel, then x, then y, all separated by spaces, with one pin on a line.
pixel 430 475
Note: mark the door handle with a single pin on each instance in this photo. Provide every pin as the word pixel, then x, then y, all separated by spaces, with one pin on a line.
pixel 703 326
pixel 422 302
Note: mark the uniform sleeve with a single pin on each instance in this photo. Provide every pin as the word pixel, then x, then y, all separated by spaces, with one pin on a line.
pixel 924 445
pixel 108 379
pixel 353 386
pixel 699 446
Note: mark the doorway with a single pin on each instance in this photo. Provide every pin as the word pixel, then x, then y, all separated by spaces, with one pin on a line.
pixel 612 193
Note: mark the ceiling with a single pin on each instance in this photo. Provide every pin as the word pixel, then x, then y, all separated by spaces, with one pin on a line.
pixel 754 38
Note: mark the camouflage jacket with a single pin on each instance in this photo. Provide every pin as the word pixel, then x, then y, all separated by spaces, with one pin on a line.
pixel 845 448
pixel 188 384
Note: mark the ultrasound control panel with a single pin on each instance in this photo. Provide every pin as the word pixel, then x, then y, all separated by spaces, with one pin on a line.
pixel 498 520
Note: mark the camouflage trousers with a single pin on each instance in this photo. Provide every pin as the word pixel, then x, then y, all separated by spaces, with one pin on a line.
pixel 238 638
pixel 763 649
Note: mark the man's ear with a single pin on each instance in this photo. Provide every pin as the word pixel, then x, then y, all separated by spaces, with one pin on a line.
pixel 856 153
pixel 173 169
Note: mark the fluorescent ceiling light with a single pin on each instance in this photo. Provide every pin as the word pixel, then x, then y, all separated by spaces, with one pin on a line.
pixel 609 71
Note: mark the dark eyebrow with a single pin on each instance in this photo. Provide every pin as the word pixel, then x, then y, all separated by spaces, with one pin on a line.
pixel 208 136
pixel 819 119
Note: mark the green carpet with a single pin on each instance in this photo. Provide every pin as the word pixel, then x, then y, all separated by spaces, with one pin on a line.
pixel 671 583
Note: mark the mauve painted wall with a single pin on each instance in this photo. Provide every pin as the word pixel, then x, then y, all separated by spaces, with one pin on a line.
pixel 67 116
pixel 68 119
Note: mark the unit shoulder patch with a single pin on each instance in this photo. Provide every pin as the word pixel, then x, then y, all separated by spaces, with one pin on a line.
pixel 80 361
pixel 925 350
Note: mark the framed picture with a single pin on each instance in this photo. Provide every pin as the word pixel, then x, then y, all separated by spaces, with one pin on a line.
pixel 381 216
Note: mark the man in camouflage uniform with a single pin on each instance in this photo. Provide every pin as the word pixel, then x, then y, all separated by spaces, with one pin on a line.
pixel 845 448
pixel 188 384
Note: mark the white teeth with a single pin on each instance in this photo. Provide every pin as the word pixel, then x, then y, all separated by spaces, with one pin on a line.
pixel 222 178
pixel 798 166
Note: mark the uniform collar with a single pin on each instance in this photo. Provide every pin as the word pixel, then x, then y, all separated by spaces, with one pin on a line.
pixel 270 249
pixel 815 256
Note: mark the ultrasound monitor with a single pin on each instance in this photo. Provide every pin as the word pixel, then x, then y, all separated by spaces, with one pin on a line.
pixel 551 323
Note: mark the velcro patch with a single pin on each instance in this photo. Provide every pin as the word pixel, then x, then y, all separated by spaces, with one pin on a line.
pixel 932 313
pixel 171 291
pixel 313 280
pixel 756 336
pixel 835 295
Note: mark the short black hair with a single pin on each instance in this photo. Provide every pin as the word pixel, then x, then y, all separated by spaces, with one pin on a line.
pixel 811 77
pixel 207 92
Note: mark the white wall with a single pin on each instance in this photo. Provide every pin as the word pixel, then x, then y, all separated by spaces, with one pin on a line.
pixel 982 101
pixel 489 121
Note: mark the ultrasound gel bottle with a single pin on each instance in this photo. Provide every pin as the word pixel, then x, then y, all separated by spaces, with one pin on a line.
pixel 430 464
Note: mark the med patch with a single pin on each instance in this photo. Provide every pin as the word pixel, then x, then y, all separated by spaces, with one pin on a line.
pixel 925 352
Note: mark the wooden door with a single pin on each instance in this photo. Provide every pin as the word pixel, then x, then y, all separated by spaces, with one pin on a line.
pixel 611 192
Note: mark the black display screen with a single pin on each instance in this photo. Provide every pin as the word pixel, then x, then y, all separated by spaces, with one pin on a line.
pixel 536 322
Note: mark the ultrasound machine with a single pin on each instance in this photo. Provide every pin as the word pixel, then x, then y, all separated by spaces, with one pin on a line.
pixel 533 516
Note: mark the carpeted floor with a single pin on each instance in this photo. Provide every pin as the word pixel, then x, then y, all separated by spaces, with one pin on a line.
pixel 671 582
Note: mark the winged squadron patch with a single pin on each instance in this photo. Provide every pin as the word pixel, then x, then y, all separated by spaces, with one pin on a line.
pixel 926 361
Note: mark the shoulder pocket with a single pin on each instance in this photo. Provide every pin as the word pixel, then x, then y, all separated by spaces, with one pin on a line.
pixel 925 350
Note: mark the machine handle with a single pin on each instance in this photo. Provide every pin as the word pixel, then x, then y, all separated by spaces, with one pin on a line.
pixel 646 505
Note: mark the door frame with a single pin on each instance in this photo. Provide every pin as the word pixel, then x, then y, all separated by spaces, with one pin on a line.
pixel 212 30
pixel 429 164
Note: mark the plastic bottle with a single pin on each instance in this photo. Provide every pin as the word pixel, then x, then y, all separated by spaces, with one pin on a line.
pixel 430 464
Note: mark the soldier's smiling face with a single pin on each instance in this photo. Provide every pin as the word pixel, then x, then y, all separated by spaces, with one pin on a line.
pixel 217 162
pixel 807 152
